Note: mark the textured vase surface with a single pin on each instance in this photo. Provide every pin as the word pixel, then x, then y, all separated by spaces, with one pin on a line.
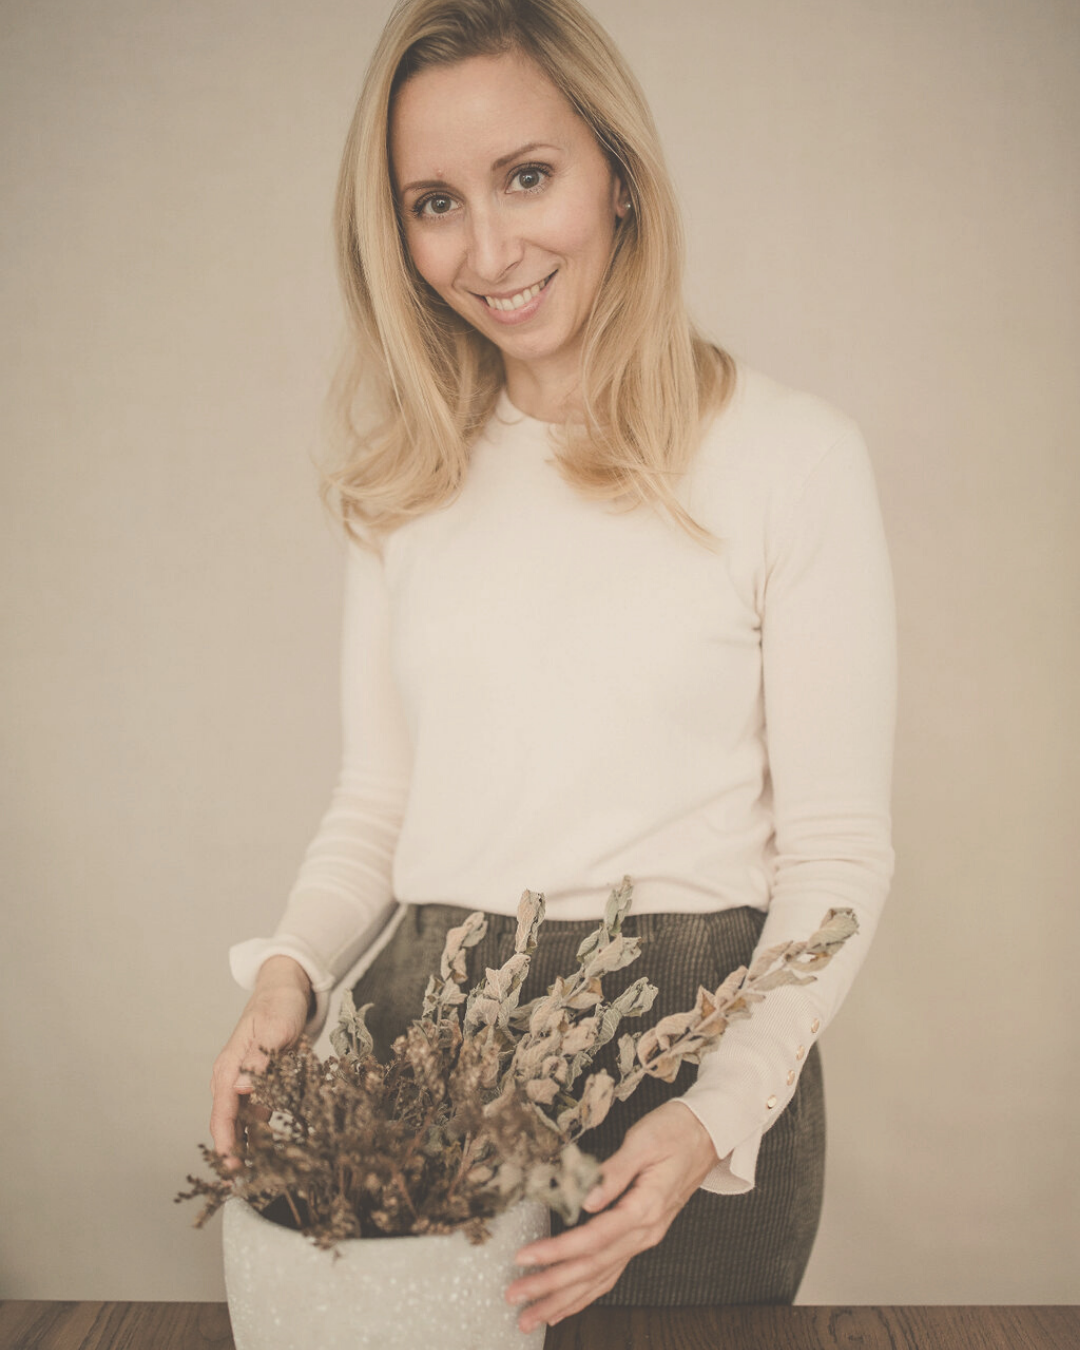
pixel 397 1293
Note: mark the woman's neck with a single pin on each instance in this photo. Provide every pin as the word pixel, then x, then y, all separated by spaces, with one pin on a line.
pixel 547 395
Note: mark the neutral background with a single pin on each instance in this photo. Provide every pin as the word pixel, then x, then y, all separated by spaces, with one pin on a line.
pixel 882 202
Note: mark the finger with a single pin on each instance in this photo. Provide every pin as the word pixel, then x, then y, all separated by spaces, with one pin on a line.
pixel 617 1173
pixel 223 1122
pixel 568 1301
pixel 234 1065
pixel 574 1242
pixel 639 1208
pixel 604 1254
pixel 227 1086
pixel 555 1279
pixel 556 1306
pixel 565 1289
pixel 596 1265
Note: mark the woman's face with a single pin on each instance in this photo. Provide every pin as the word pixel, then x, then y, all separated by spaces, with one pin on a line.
pixel 509 206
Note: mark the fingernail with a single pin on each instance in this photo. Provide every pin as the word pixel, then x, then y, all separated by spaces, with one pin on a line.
pixel 592 1200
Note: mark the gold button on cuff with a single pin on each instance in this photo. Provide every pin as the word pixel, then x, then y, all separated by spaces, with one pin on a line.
pixel 815 1024
pixel 771 1103
pixel 800 1052
pixel 791 1077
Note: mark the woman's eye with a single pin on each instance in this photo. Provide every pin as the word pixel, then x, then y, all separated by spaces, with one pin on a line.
pixel 530 178
pixel 438 205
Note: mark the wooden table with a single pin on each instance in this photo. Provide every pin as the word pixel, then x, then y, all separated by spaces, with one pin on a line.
pixel 205 1326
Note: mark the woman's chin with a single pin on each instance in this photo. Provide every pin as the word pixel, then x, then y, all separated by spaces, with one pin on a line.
pixel 535 345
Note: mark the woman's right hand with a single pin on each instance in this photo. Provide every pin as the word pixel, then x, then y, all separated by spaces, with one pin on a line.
pixel 274 1019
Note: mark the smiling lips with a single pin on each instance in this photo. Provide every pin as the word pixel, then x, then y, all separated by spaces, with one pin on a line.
pixel 518 307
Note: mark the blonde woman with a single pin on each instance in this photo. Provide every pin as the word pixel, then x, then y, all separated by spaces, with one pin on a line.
pixel 614 606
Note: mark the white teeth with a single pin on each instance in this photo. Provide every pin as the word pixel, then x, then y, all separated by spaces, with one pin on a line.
pixel 516 301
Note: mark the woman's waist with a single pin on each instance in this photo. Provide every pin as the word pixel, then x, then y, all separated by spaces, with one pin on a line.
pixel 657 904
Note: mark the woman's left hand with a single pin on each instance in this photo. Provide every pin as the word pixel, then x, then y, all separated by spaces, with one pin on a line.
pixel 664 1158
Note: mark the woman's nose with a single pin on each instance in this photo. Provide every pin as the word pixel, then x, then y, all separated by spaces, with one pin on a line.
pixel 494 246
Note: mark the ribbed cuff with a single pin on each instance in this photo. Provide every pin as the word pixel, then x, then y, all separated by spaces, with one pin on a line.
pixel 734 1173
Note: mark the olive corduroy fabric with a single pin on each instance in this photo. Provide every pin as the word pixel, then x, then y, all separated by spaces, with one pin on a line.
pixel 750 1248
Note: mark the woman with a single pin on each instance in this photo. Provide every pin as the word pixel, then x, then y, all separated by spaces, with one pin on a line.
pixel 613 607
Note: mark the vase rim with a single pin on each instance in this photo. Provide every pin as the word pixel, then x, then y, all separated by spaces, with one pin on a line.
pixel 245 1211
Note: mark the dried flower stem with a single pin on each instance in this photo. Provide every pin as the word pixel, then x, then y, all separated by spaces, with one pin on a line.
pixel 295 1211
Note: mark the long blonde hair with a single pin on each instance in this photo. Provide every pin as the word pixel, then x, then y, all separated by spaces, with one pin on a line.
pixel 425 380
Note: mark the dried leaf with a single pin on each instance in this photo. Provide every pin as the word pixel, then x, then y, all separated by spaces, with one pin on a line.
pixel 672 1026
pixel 580 1036
pixel 625 1087
pixel 351 1038
pixel 529 918
pixel 596 1100
pixel 548 1012
pixel 591 943
pixel 638 998
pixel 482 1012
pixel 458 940
pixel 728 991
pixel 839 925
pixel 666 1067
pixel 619 952
pixel 768 958
pixel 618 906
pixel 588 997
pixel 543 1090
pixel 554 1067
pixel 779 977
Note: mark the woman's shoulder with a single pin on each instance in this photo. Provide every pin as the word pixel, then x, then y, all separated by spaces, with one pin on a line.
pixel 775 427
pixel 758 452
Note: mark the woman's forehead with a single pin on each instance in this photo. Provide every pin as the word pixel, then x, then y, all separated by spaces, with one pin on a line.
pixel 467 117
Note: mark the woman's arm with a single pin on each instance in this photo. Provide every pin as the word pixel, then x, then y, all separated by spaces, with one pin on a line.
pixel 830 682
pixel 343 894
pixel 828 645
pixel 829 672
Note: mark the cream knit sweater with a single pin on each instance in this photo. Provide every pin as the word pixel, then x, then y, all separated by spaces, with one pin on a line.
pixel 542 691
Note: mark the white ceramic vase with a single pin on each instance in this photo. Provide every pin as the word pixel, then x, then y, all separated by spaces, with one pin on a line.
pixel 396 1293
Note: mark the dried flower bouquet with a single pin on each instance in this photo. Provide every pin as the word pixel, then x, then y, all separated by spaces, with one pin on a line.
pixel 475 1112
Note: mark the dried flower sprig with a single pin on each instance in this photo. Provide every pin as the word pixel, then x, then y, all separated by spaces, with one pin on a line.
pixel 480 1104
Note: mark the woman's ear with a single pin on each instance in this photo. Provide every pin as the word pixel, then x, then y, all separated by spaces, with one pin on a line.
pixel 620 197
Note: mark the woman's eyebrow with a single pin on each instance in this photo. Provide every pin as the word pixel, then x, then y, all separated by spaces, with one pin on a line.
pixel 497 164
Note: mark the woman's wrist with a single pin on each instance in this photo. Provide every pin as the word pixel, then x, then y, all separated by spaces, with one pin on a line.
pixel 276 971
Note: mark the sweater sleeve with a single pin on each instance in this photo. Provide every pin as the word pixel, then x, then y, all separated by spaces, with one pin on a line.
pixel 829 675
pixel 343 893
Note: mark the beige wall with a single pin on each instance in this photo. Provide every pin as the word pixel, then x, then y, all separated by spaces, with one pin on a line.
pixel 881 203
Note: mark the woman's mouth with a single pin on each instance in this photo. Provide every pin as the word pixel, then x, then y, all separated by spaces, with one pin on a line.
pixel 519 306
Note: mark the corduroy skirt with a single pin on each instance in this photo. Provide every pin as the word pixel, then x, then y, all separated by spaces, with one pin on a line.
pixel 749 1248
